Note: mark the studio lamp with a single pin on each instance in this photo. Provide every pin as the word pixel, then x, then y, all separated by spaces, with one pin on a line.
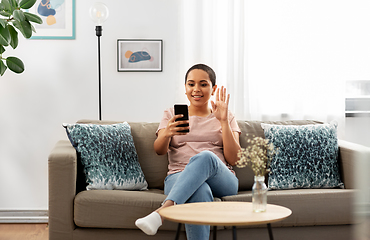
pixel 99 13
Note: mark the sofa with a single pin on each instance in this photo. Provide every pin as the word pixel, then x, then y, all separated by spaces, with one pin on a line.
pixel 80 214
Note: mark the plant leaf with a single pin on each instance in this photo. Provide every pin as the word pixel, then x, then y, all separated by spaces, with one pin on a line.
pixel 33 17
pixel 33 28
pixel 15 64
pixel 7 6
pixel 2 67
pixel 14 3
pixel 19 15
pixel 26 4
pixel 3 22
pixel 5 14
pixel 13 36
pixel 2 49
pixel 4 36
pixel 24 27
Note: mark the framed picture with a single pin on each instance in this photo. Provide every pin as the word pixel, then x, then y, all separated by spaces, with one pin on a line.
pixel 58 19
pixel 139 55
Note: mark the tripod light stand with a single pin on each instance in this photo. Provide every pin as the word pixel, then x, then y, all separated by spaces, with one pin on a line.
pixel 99 13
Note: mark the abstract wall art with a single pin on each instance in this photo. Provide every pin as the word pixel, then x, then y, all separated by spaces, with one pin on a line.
pixel 139 55
pixel 58 19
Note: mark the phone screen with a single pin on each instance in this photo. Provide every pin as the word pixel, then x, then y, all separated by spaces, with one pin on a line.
pixel 182 109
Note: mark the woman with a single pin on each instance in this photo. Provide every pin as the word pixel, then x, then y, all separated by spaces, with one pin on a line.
pixel 200 160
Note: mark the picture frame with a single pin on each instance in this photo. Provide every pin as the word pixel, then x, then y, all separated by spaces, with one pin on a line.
pixel 139 55
pixel 58 19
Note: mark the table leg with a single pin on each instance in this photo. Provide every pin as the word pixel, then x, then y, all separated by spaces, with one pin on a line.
pixel 178 232
pixel 214 232
pixel 234 233
pixel 270 231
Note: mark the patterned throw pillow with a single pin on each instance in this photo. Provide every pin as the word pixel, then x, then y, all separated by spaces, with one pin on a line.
pixel 108 155
pixel 306 158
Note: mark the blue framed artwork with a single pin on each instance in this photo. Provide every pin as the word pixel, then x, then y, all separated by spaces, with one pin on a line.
pixel 139 55
pixel 58 18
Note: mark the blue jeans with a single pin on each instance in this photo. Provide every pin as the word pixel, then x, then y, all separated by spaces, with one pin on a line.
pixel 204 177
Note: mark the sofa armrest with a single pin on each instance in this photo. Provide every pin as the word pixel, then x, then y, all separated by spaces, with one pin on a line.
pixel 351 157
pixel 62 190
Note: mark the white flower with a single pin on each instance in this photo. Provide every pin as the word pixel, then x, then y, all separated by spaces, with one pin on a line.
pixel 257 155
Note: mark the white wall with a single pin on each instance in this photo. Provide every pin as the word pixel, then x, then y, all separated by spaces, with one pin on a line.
pixel 60 84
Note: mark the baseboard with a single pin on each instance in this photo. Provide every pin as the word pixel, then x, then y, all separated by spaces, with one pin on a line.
pixel 24 216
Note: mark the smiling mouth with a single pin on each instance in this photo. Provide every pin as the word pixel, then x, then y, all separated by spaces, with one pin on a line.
pixel 197 96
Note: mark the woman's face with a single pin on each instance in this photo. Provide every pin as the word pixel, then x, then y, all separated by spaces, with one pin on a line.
pixel 199 88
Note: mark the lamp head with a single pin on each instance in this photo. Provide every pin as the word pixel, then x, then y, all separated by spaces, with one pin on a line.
pixel 99 13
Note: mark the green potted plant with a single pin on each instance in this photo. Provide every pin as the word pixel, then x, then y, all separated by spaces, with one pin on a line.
pixel 13 18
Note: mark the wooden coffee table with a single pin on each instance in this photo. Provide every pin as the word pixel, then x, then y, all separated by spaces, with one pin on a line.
pixel 224 214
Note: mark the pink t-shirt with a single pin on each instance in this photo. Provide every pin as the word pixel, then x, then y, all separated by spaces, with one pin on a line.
pixel 205 134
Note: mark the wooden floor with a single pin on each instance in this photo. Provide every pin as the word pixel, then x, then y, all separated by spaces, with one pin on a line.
pixel 26 231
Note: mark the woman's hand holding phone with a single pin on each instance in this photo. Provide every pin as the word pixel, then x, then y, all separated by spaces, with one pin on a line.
pixel 174 127
pixel 162 142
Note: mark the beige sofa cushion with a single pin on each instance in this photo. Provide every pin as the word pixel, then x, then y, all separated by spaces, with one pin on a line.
pixel 309 207
pixel 155 167
pixel 120 209
pixel 114 208
pixel 117 209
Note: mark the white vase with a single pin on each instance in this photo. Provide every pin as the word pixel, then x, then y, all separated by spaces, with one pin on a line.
pixel 259 194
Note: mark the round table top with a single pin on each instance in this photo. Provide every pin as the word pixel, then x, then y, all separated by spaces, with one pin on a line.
pixel 224 213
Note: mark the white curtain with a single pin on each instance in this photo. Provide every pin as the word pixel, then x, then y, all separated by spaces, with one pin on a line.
pixel 214 33
pixel 279 60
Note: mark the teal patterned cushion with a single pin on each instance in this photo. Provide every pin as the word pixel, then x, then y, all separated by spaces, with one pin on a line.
pixel 108 155
pixel 306 158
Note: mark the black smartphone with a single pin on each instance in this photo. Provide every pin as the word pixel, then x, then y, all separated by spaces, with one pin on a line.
pixel 182 109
